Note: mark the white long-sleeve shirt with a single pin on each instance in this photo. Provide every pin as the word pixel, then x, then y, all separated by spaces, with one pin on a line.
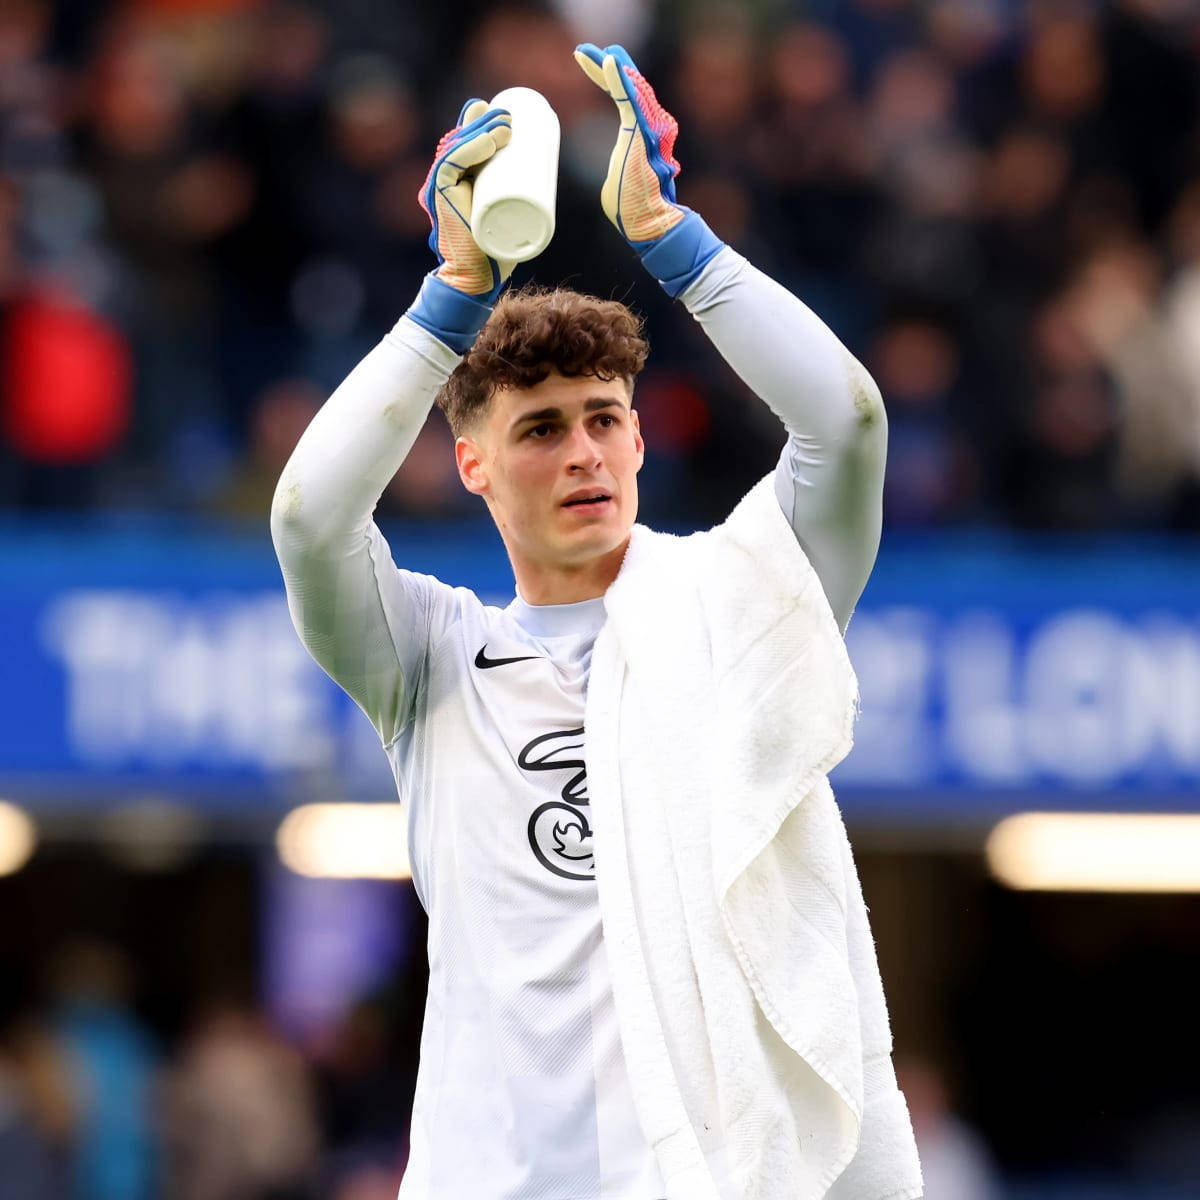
pixel 522 1090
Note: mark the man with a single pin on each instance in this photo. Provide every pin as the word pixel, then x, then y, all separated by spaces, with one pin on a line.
pixel 526 1086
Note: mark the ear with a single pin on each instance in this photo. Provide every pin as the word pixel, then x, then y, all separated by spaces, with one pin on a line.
pixel 468 455
pixel 638 444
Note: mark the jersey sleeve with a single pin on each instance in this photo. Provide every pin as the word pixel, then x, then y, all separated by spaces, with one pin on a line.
pixel 829 479
pixel 366 622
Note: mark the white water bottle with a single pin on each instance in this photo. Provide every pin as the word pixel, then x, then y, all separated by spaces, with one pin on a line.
pixel 512 206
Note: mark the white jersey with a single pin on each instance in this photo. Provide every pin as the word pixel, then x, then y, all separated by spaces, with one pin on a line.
pixel 522 1092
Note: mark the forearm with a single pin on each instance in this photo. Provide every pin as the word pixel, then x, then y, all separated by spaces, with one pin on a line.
pixel 362 434
pixel 830 475
pixel 363 620
pixel 786 355
pixel 833 462
pixel 359 439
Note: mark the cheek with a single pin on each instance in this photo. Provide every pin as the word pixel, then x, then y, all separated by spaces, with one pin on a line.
pixel 523 482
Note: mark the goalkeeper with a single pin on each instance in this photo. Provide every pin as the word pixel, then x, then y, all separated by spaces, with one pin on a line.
pixel 523 1089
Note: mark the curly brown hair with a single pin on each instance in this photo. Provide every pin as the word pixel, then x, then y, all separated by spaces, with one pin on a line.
pixel 536 330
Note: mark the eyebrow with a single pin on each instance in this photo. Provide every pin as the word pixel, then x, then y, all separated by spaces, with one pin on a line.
pixel 593 404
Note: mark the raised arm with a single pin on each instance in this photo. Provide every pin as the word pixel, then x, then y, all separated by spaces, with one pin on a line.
pixel 830 475
pixel 366 622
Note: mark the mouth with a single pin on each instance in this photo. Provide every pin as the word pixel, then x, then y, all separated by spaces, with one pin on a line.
pixel 597 502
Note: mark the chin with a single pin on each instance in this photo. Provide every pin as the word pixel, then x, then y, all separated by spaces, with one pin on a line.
pixel 594 543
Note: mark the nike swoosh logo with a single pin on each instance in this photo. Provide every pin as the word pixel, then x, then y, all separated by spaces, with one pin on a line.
pixel 483 662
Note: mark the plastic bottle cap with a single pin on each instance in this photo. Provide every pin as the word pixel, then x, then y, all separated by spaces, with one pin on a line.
pixel 514 228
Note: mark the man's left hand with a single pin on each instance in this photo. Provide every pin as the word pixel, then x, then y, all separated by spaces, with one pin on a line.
pixel 638 195
pixel 639 192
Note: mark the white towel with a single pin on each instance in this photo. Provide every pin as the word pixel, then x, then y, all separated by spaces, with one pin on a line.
pixel 744 973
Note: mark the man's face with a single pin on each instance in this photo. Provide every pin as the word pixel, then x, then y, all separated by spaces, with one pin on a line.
pixel 539 450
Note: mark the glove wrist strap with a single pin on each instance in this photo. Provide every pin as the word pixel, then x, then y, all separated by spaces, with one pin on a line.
pixel 677 258
pixel 451 316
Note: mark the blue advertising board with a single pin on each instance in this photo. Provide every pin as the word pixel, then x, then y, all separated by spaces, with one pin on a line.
pixel 995 673
pixel 1007 671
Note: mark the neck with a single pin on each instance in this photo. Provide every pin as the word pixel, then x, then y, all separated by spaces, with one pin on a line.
pixel 544 583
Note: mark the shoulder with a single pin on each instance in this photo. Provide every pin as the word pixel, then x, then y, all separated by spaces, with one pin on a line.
pixel 751 562
pixel 449 597
pixel 756 528
pixel 435 610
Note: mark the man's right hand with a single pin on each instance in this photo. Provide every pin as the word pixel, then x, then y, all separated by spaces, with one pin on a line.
pixel 446 198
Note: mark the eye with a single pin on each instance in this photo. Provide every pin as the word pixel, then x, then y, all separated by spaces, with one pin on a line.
pixel 538 432
pixel 608 419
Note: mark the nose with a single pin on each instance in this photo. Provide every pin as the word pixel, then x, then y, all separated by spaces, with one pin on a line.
pixel 582 452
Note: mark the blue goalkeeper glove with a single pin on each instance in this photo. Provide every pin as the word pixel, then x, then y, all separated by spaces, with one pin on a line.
pixel 456 298
pixel 638 196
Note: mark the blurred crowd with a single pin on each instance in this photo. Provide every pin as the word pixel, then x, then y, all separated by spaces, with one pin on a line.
pixel 95 1104
pixel 208 214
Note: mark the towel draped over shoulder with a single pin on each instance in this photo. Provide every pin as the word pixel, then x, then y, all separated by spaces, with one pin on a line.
pixel 744 972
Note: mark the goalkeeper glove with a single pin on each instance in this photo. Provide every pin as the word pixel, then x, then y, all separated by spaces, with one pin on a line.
pixel 638 195
pixel 456 298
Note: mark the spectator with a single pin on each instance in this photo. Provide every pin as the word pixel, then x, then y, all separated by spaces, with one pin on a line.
pixel 226 191
pixel 111 1064
pixel 955 1161
pixel 280 416
pixel 34 1117
pixel 240 1119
